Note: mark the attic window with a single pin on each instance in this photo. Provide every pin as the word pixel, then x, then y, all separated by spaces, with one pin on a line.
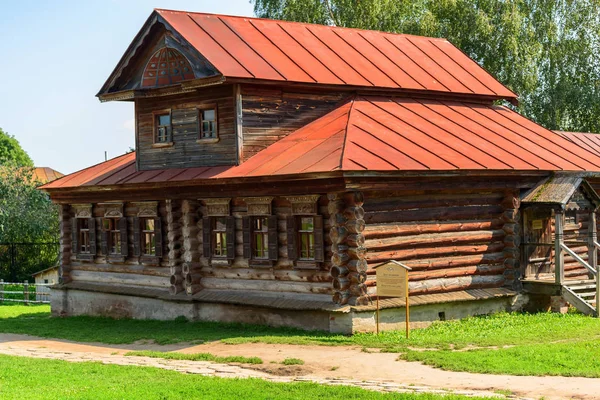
pixel 162 129
pixel 208 123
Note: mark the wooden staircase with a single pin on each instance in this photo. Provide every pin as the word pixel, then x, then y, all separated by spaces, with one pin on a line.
pixel 581 295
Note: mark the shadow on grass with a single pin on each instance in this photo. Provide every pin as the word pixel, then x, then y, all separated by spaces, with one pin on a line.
pixel 126 331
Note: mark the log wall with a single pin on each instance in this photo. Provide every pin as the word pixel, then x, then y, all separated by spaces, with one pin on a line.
pixel 133 271
pixel 453 240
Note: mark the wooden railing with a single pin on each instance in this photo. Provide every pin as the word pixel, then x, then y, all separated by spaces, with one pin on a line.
pixel 578 258
pixel 24 292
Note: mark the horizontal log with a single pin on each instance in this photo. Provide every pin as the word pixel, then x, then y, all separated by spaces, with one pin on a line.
pixel 449 262
pixel 175 289
pixel 457 283
pixel 296 275
pixel 357 265
pixel 192 289
pixel 495 269
pixel 406 254
pixel 341 298
pixel 355 226
pixel 193 279
pixel 339 271
pixel 120 279
pixel 435 214
pixel 361 300
pixel 359 289
pixel 267 286
pixel 338 234
pixel 357 253
pixel 176 280
pixel 374 231
pixel 390 203
pixel 341 284
pixel 357 277
pixel 354 213
pixel 175 269
pixel 123 269
pixel 438 239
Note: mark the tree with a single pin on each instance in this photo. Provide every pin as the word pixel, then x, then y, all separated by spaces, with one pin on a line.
pixel 11 151
pixel 547 51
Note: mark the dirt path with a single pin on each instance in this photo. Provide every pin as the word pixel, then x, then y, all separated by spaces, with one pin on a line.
pixel 324 364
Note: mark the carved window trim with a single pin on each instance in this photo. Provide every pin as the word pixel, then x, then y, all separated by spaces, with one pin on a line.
pixel 112 210
pixel 304 205
pixel 219 207
pixel 147 209
pixel 259 206
pixel 83 212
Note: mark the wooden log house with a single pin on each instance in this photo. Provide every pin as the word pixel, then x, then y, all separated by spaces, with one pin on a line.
pixel 277 163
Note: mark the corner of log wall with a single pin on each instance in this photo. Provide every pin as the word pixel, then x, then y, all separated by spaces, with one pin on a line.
pixel 512 240
pixel 349 267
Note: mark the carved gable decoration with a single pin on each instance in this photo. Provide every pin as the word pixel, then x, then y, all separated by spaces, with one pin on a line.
pixel 82 210
pixel 259 205
pixel 167 66
pixel 112 210
pixel 304 205
pixel 217 207
pixel 579 201
pixel 147 209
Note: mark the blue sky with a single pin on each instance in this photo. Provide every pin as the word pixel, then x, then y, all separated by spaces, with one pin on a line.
pixel 56 56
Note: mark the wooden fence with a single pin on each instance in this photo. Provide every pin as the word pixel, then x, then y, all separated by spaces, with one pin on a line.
pixel 25 292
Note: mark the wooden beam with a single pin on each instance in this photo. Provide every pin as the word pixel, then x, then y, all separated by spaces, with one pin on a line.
pixel 559 271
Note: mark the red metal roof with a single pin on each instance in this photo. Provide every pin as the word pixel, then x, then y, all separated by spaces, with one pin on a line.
pixel 45 174
pixel 372 133
pixel 589 141
pixel 256 48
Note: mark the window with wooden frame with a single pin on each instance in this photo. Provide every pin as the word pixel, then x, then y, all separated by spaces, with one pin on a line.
pixel 305 232
pixel 218 231
pixel 147 233
pixel 163 131
pixel 83 232
pixel 219 237
pixel 260 239
pixel 114 238
pixel 207 123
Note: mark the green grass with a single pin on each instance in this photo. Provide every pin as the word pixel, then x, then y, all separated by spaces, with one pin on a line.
pixel 195 357
pixel 541 344
pixel 496 330
pixel 292 361
pixel 564 359
pixel 25 378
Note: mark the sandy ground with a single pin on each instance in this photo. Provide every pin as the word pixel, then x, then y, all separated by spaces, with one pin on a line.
pixel 342 362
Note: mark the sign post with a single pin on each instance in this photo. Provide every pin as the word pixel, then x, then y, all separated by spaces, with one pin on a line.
pixel 392 281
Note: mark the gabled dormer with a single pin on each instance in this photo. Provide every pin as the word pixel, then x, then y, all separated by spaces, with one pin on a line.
pixel 214 90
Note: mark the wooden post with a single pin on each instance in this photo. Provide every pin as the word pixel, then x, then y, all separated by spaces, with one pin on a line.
pixel 559 266
pixel 26 292
pixel 377 315
pixel 593 255
pixel 407 309
pixel 1 290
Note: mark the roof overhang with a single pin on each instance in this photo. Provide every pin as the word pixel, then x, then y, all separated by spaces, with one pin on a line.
pixel 558 189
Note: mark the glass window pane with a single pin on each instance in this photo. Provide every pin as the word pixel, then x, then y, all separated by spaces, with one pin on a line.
pixel 220 224
pixel 164 120
pixel 149 224
pixel 208 115
pixel 306 224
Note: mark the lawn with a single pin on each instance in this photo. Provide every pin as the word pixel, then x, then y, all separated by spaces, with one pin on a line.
pixel 516 344
pixel 21 378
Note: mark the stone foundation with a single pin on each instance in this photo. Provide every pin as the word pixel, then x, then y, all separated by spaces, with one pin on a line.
pixel 344 320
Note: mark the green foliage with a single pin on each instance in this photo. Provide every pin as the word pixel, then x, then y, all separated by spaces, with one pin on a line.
pixel 28 378
pixel 11 151
pixel 544 50
pixel 292 361
pixel 194 357
pixel 26 213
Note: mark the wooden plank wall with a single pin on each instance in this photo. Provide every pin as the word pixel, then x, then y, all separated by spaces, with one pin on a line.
pixel 269 114
pixel 452 239
pixel 186 152
pixel 131 272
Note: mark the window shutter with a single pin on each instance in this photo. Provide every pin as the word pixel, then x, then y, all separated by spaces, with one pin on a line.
pixel 158 239
pixel 92 226
pixel 123 229
pixel 319 246
pixel 230 235
pixel 104 240
pixel 75 237
pixel 273 238
pixel 291 238
pixel 206 236
pixel 247 230
pixel 137 251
